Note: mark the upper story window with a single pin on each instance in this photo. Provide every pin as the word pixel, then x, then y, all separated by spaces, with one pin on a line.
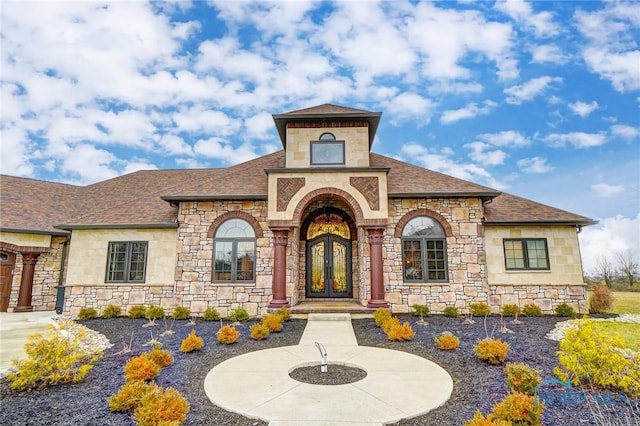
pixel 327 151
pixel 234 251
pixel 126 262
pixel 529 253
pixel 424 250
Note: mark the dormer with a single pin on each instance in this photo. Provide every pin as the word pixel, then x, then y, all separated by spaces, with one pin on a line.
pixel 327 136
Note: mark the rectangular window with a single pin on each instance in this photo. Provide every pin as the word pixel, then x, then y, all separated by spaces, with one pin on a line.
pixel 234 261
pixel 327 153
pixel 126 262
pixel 424 260
pixel 526 254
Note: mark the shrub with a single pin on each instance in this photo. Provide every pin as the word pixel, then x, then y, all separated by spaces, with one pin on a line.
pixel 137 311
pixel 420 310
pixel 111 311
pixel 447 341
pixel 181 313
pixel 531 310
pixel 239 314
pixel 479 309
pixel 273 322
pixel 129 395
pixel 389 323
pixel 154 312
pixel 522 378
pixel 211 315
pixel 283 313
pixel 400 332
pixel 510 310
pixel 587 356
pixel 161 357
pixel 479 420
pixel 451 312
pixel 381 315
pixel 140 368
pixel 519 409
pixel 62 355
pixel 259 331
pixel 162 407
pixel 191 343
pixel 227 335
pixel 601 300
pixel 87 314
pixel 494 351
pixel 564 310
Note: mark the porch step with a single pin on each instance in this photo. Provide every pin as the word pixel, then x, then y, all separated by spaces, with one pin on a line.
pixel 329 317
pixel 330 307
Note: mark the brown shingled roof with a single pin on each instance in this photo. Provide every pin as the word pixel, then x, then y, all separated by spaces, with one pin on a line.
pixel 510 209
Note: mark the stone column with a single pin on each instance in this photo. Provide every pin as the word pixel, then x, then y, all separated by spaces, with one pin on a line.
pixel 29 261
pixel 279 285
pixel 376 237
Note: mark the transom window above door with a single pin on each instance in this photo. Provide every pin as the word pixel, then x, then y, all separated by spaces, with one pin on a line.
pixel 424 251
pixel 234 252
pixel 327 151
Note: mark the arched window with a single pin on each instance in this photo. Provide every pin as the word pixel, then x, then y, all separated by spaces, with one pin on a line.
pixel 424 251
pixel 234 252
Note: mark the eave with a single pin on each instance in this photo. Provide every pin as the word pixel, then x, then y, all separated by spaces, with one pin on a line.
pixel 34 231
pixel 119 226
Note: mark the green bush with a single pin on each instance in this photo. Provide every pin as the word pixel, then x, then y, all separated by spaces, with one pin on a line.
pixel 494 351
pixel 87 314
pixel 62 355
pixel 137 311
pixel 111 311
pixel 531 310
pixel 522 378
pixel 283 313
pixel 420 310
pixel 239 314
pixel 381 315
pixel 510 310
pixel 587 356
pixel 181 313
pixel 154 312
pixel 564 310
pixel 451 312
pixel 211 315
pixel 479 309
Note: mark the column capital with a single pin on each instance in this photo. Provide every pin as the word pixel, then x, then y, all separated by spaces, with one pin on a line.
pixel 280 236
pixel 375 235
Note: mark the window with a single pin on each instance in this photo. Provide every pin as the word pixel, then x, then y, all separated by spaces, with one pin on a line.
pixel 234 252
pixel 424 250
pixel 526 254
pixel 327 151
pixel 127 262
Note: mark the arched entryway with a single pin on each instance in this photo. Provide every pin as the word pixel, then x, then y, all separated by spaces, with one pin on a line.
pixel 7 264
pixel 328 234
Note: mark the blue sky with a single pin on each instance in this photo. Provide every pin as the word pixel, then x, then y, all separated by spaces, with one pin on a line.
pixel 539 99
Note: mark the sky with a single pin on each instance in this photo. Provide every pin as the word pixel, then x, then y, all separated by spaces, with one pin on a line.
pixel 538 99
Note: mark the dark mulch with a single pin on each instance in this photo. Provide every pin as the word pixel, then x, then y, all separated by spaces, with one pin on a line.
pixel 476 385
pixel 335 375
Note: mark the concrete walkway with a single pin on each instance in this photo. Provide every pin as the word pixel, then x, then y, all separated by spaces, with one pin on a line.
pixel 398 385
pixel 14 329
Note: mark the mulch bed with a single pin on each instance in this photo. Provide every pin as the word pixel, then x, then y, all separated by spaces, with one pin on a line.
pixel 477 385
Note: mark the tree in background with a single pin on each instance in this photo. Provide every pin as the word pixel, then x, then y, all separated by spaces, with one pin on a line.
pixel 627 267
pixel 606 270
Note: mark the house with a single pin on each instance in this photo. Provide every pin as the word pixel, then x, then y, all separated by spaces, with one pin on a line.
pixel 324 218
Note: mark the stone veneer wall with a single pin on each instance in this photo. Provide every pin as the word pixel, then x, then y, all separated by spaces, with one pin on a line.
pixel 45 278
pixel 547 297
pixel 465 256
pixel 194 288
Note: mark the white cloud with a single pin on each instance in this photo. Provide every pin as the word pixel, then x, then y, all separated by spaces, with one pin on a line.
pixel 216 148
pixel 547 53
pixel 611 235
pixel 606 190
pixel 529 90
pixel 410 106
pixel 89 164
pixel 534 165
pixel 625 132
pixel 135 165
pixel 541 24
pixel 508 138
pixel 583 109
pixel 469 111
pixel 480 154
pixel 577 139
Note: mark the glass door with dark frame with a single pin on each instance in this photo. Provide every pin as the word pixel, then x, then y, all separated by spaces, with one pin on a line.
pixel 329 267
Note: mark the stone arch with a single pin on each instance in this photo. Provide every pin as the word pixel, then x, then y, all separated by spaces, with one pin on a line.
pixel 323 192
pixel 235 214
pixel 422 212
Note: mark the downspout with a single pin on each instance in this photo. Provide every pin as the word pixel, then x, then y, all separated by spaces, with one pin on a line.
pixel 61 288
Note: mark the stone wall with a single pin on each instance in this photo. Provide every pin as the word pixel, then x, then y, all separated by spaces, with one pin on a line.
pixel 547 297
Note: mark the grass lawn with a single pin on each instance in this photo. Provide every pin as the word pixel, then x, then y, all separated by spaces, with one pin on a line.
pixel 626 302
pixel 630 332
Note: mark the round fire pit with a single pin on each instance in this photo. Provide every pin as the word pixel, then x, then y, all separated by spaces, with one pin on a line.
pixel 337 374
